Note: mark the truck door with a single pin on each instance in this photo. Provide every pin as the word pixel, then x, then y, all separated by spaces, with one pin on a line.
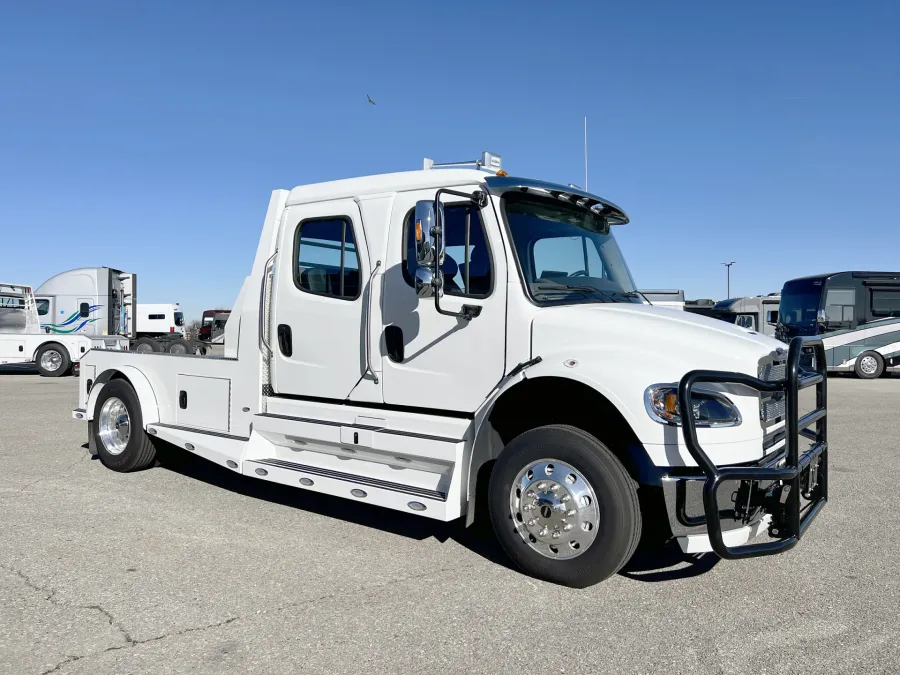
pixel 318 301
pixel 451 363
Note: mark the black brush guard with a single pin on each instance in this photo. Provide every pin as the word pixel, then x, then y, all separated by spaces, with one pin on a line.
pixel 789 521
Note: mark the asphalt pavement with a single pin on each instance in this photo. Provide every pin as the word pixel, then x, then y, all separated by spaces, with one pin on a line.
pixel 188 568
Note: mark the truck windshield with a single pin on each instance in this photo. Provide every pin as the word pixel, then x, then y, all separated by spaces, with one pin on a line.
pixel 566 253
pixel 800 302
pixel 179 318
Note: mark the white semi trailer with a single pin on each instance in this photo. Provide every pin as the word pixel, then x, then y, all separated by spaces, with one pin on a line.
pixel 22 340
pixel 423 340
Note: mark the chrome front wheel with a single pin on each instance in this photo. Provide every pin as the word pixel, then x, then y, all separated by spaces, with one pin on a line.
pixel 114 426
pixel 554 508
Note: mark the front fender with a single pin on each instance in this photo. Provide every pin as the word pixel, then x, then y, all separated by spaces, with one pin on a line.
pixel 488 445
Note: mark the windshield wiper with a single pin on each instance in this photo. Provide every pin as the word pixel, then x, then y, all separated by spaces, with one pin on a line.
pixel 573 289
pixel 633 294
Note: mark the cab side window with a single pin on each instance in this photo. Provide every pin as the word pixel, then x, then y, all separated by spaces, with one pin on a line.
pixel 746 321
pixel 325 259
pixel 43 307
pixel 467 268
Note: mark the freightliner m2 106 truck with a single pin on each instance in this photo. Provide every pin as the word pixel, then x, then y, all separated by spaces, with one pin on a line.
pixel 456 341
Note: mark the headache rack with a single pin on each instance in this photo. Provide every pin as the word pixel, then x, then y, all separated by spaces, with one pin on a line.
pixel 777 484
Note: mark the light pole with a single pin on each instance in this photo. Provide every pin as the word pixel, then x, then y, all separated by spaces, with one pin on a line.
pixel 728 268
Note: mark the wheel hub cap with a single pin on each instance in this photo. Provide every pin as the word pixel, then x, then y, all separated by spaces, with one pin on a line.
pixel 114 426
pixel 868 365
pixel 554 509
pixel 51 360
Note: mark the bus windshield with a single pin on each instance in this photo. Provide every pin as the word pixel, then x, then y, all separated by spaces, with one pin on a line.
pixel 800 302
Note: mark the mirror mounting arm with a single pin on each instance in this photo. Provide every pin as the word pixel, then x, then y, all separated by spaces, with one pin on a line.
pixel 480 199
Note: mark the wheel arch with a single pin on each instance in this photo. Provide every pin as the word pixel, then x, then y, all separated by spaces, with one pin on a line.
pixel 61 345
pixel 138 382
pixel 542 400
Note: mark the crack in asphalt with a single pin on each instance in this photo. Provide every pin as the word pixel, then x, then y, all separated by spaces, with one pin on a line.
pixel 131 642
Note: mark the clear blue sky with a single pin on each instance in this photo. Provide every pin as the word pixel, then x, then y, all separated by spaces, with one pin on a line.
pixel 147 136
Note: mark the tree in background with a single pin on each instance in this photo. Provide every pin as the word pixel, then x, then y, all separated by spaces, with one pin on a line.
pixel 192 330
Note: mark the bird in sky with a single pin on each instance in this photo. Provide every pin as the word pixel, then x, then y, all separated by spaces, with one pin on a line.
pixel 370 99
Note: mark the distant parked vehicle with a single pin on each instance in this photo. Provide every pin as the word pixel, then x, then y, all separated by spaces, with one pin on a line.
pixel 759 313
pixel 212 323
pixel 856 313
pixel 103 301
pixel 22 340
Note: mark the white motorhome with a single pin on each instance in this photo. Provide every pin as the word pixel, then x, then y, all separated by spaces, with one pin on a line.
pixel 428 340
pixel 22 340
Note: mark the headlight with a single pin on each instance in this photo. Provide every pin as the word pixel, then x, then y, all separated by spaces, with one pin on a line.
pixel 711 409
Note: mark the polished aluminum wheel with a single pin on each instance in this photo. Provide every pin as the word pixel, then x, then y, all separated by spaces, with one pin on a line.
pixel 51 360
pixel 114 426
pixel 554 509
pixel 143 348
pixel 868 364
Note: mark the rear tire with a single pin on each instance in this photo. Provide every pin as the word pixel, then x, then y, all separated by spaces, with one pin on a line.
pixel 180 346
pixel 563 507
pixel 118 428
pixel 53 360
pixel 869 365
pixel 146 345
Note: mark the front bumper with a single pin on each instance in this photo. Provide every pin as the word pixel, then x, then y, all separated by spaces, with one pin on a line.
pixel 788 487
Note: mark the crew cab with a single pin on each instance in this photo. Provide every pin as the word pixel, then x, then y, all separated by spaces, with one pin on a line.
pixel 456 341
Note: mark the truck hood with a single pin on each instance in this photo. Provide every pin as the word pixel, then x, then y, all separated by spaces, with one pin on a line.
pixel 674 341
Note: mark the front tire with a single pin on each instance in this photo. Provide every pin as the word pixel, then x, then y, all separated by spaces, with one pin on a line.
pixel 53 360
pixel 869 365
pixel 563 507
pixel 118 428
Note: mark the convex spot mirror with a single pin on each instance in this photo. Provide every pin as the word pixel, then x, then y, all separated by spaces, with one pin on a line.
pixel 429 246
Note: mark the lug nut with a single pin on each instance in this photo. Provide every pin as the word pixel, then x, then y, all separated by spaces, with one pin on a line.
pixel 570 512
pixel 531 493
pixel 542 486
pixel 543 532
pixel 556 534
pixel 532 522
pixel 568 527
pixel 565 498
pixel 554 488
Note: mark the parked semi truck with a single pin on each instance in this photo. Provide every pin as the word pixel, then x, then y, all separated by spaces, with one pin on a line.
pixel 103 301
pixel 22 340
pixel 432 342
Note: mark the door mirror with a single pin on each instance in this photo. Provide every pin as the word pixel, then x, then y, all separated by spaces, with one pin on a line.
pixel 772 318
pixel 428 240
pixel 821 319
pixel 424 282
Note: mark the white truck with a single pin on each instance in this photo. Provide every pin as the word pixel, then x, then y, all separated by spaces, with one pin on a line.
pixel 160 319
pixel 103 301
pixel 439 340
pixel 22 340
